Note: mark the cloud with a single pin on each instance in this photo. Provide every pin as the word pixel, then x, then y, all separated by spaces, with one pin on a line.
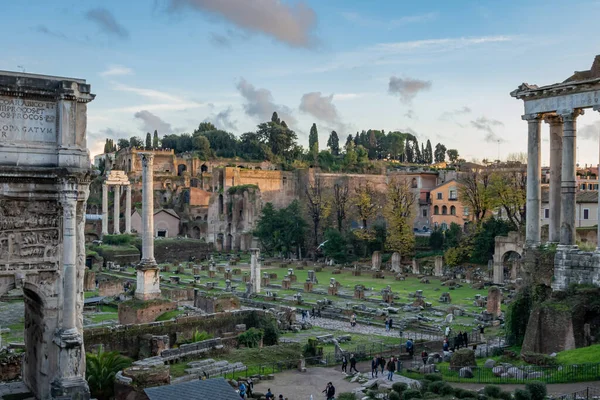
pixel 361 20
pixel 259 103
pixel 410 114
pixel 107 22
pixel 151 122
pixel 163 100
pixel 47 31
pixel 407 88
pixel 487 125
pixel 589 132
pixel 319 106
pixel 290 24
pixel 219 40
pixel 449 115
pixel 117 70
pixel 222 120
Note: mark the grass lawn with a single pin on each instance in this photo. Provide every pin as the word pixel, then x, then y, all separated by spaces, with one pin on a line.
pixel 583 355
pixel 169 315
pixel 87 295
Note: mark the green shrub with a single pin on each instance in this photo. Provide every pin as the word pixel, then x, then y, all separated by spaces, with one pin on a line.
pixel 200 336
pixel 399 387
pixel 411 394
pixel 251 338
pixel 430 395
pixel 464 394
pixel 116 240
pixel 433 377
pixel 521 394
pixel 272 332
pixel 537 390
pixel 394 396
pixel 350 396
pixel 505 396
pixel 492 391
pixel 435 387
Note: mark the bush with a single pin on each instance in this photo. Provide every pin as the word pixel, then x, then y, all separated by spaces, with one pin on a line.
pixel 505 396
pixel 433 377
pixel 430 395
pixel 271 333
pixel 394 396
pixel 492 391
pixel 349 396
pixel 435 387
pixel 251 338
pixel 116 240
pixel 537 390
pixel 411 394
pixel 399 387
pixel 521 394
pixel 464 394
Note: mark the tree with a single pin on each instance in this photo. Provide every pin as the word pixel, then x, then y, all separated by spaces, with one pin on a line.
pixel 340 201
pixel 453 235
pixel 313 139
pixel 155 140
pixel 429 153
pixel 436 240
pixel 277 136
pixel 109 146
pixel 349 140
pixel 334 143
pixel 452 155
pixel 395 145
pixel 101 368
pixel 202 146
pixel 399 216
pixel 148 141
pixel 135 142
pixel 224 144
pixel 364 201
pixel 350 158
pixel 335 246
pixel 484 239
pixel 123 144
pixel 410 155
pixel 474 192
pixel 281 230
pixel 440 153
pixel 508 192
pixel 206 127
pixel 318 207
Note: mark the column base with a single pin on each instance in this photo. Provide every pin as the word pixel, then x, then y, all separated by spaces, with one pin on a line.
pixel 72 388
pixel 147 281
pixel 565 247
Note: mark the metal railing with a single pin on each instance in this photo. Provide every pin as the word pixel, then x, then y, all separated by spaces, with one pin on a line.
pixel 588 393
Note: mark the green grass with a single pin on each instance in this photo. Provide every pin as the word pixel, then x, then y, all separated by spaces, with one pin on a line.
pixel 169 315
pixel 582 355
pixel 87 295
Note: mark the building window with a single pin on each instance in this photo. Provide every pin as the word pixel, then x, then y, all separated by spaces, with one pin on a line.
pixel 439 196
pixel 424 212
pixel 161 234
pixel 444 210
pixel 466 211
pixel 436 210
pixel 414 182
pixel 583 186
pixel 546 213
pixel 452 210
pixel 590 186
pixel 444 226
pixel 452 195
pixel 595 186
pixel 586 213
pixel 284 181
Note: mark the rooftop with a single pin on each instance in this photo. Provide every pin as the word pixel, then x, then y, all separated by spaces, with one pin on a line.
pixel 217 388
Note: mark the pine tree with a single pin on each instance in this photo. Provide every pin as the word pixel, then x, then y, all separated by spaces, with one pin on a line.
pixel 148 141
pixel 313 139
pixel 417 156
pixel 155 144
pixel 409 152
pixel 334 143
pixel 349 140
pixel 429 159
pixel 440 153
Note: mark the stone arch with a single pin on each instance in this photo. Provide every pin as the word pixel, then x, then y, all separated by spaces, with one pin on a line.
pixel 507 248
pixel 196 232
pixel 181 168
pixel 511 265
pixel 203 168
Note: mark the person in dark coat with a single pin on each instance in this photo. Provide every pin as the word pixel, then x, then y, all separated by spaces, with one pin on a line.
pixel 353 363
pixel 374 365
pixel 391 324
pixel 465 339
pixel 391 368
pixel 344 364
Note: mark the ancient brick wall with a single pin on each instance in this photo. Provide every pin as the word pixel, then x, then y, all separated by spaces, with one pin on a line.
pixel 137 313
pixel 575 266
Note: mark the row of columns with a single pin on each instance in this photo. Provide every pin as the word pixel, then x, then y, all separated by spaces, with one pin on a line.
pixel 117 208
pixel 563 180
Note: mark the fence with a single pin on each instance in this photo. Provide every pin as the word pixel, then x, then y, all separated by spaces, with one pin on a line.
pixel 589 393
pixel 518 374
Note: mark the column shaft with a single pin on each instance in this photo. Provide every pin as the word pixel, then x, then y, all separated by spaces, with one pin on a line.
pixel 147 207
pixel 534 191
pixel 556 134
pixel 69 258
pixel 128 209
pixel 104 209
pixel 568 182
pixel 117 209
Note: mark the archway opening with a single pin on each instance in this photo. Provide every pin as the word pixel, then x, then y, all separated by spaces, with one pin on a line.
pixel 511 265
pixel 196 232
pixel 181 168
pixel 33 337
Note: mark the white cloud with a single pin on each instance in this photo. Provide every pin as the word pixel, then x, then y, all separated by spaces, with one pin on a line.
pixel 161 101
pixel 117 70
pixel 365 21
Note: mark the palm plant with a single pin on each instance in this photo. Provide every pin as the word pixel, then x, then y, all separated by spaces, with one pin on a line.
pixel 101 368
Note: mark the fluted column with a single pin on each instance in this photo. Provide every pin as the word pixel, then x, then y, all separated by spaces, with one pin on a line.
pixel 534 190
pixel 69 258
pixel 556 135
pixel 147 207
pixel 128 209
pixel 104 209
pixel 568 179
pixel 117 209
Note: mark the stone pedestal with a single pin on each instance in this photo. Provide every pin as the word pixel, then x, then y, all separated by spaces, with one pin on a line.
pixel 387 297
pixel 312 276
pixel 212 274
pixel 264 282
pixel 286 284
pixel 332 290
pixel 376 261
pixel 196 271
pixel 439 266
pixel 396 262
pixel 228 275
pixel 359 292
pixel 494 301
pixel 308 286
pixel 415 267
pixel 255 269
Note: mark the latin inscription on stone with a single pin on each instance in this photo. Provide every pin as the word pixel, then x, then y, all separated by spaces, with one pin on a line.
pixel 24 120
pixel 30 235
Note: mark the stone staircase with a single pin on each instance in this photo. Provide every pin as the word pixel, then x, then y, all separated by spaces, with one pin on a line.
pixel 212 368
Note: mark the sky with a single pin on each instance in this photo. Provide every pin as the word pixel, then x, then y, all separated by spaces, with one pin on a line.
pixel 442 70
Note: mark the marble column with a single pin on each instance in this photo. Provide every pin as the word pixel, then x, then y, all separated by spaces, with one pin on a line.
pixel 117 210
pixel 597 108
pixel 255 269
pixel 568 179
pixel 556 134
pixel 104 209
pixel 148 278
pixel 128 209
pixel 534 189
pixel 69 260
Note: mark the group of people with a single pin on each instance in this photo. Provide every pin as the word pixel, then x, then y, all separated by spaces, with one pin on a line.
pixel 271 396
pixel 460 340
pixel 389 324
pixel 352 363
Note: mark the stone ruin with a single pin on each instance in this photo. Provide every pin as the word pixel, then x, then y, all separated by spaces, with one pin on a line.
pixel 312 276
pixel 356 270
pixel 387 295
pixel 332 290
pixel 438 269
pixel 445 298
pixel 308 286
pixel 286 284
pixel 415 267
pixel 359 292
pixel 494 301
pixel 479 301
pixel 396 262
pixel 265 280
pixel 291 276
pixel 45 176
pixel 376 261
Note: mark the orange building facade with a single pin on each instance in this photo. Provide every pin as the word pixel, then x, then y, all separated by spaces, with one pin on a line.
pixel 446 207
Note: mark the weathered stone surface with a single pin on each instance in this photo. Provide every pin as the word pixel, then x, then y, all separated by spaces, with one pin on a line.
pixel 465 372
pixel 463 358
pixel 376 261
pixel 139 312
pixel 489 364
pixel 494 301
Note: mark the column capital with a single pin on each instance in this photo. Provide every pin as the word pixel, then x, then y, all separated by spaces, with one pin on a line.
pixel 596 108
pixel 570 115
pixel 553 119
pixel 147 159
pixel 532 117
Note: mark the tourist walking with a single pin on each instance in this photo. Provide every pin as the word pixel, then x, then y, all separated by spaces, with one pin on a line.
pixel 465 339
pixel 269 395
pixel 353 363
pixel 381 364
pixel 410 348
pixel 242 390
pixel 374 365
pixel 391 368
pixel 424 357
pixel 446 345
pixel 387 324
pixel 329 391
pixel 353 320
pixel 391 324
pixel 344 363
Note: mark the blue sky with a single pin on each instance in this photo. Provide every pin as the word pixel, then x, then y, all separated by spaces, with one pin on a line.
pixel 440 69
